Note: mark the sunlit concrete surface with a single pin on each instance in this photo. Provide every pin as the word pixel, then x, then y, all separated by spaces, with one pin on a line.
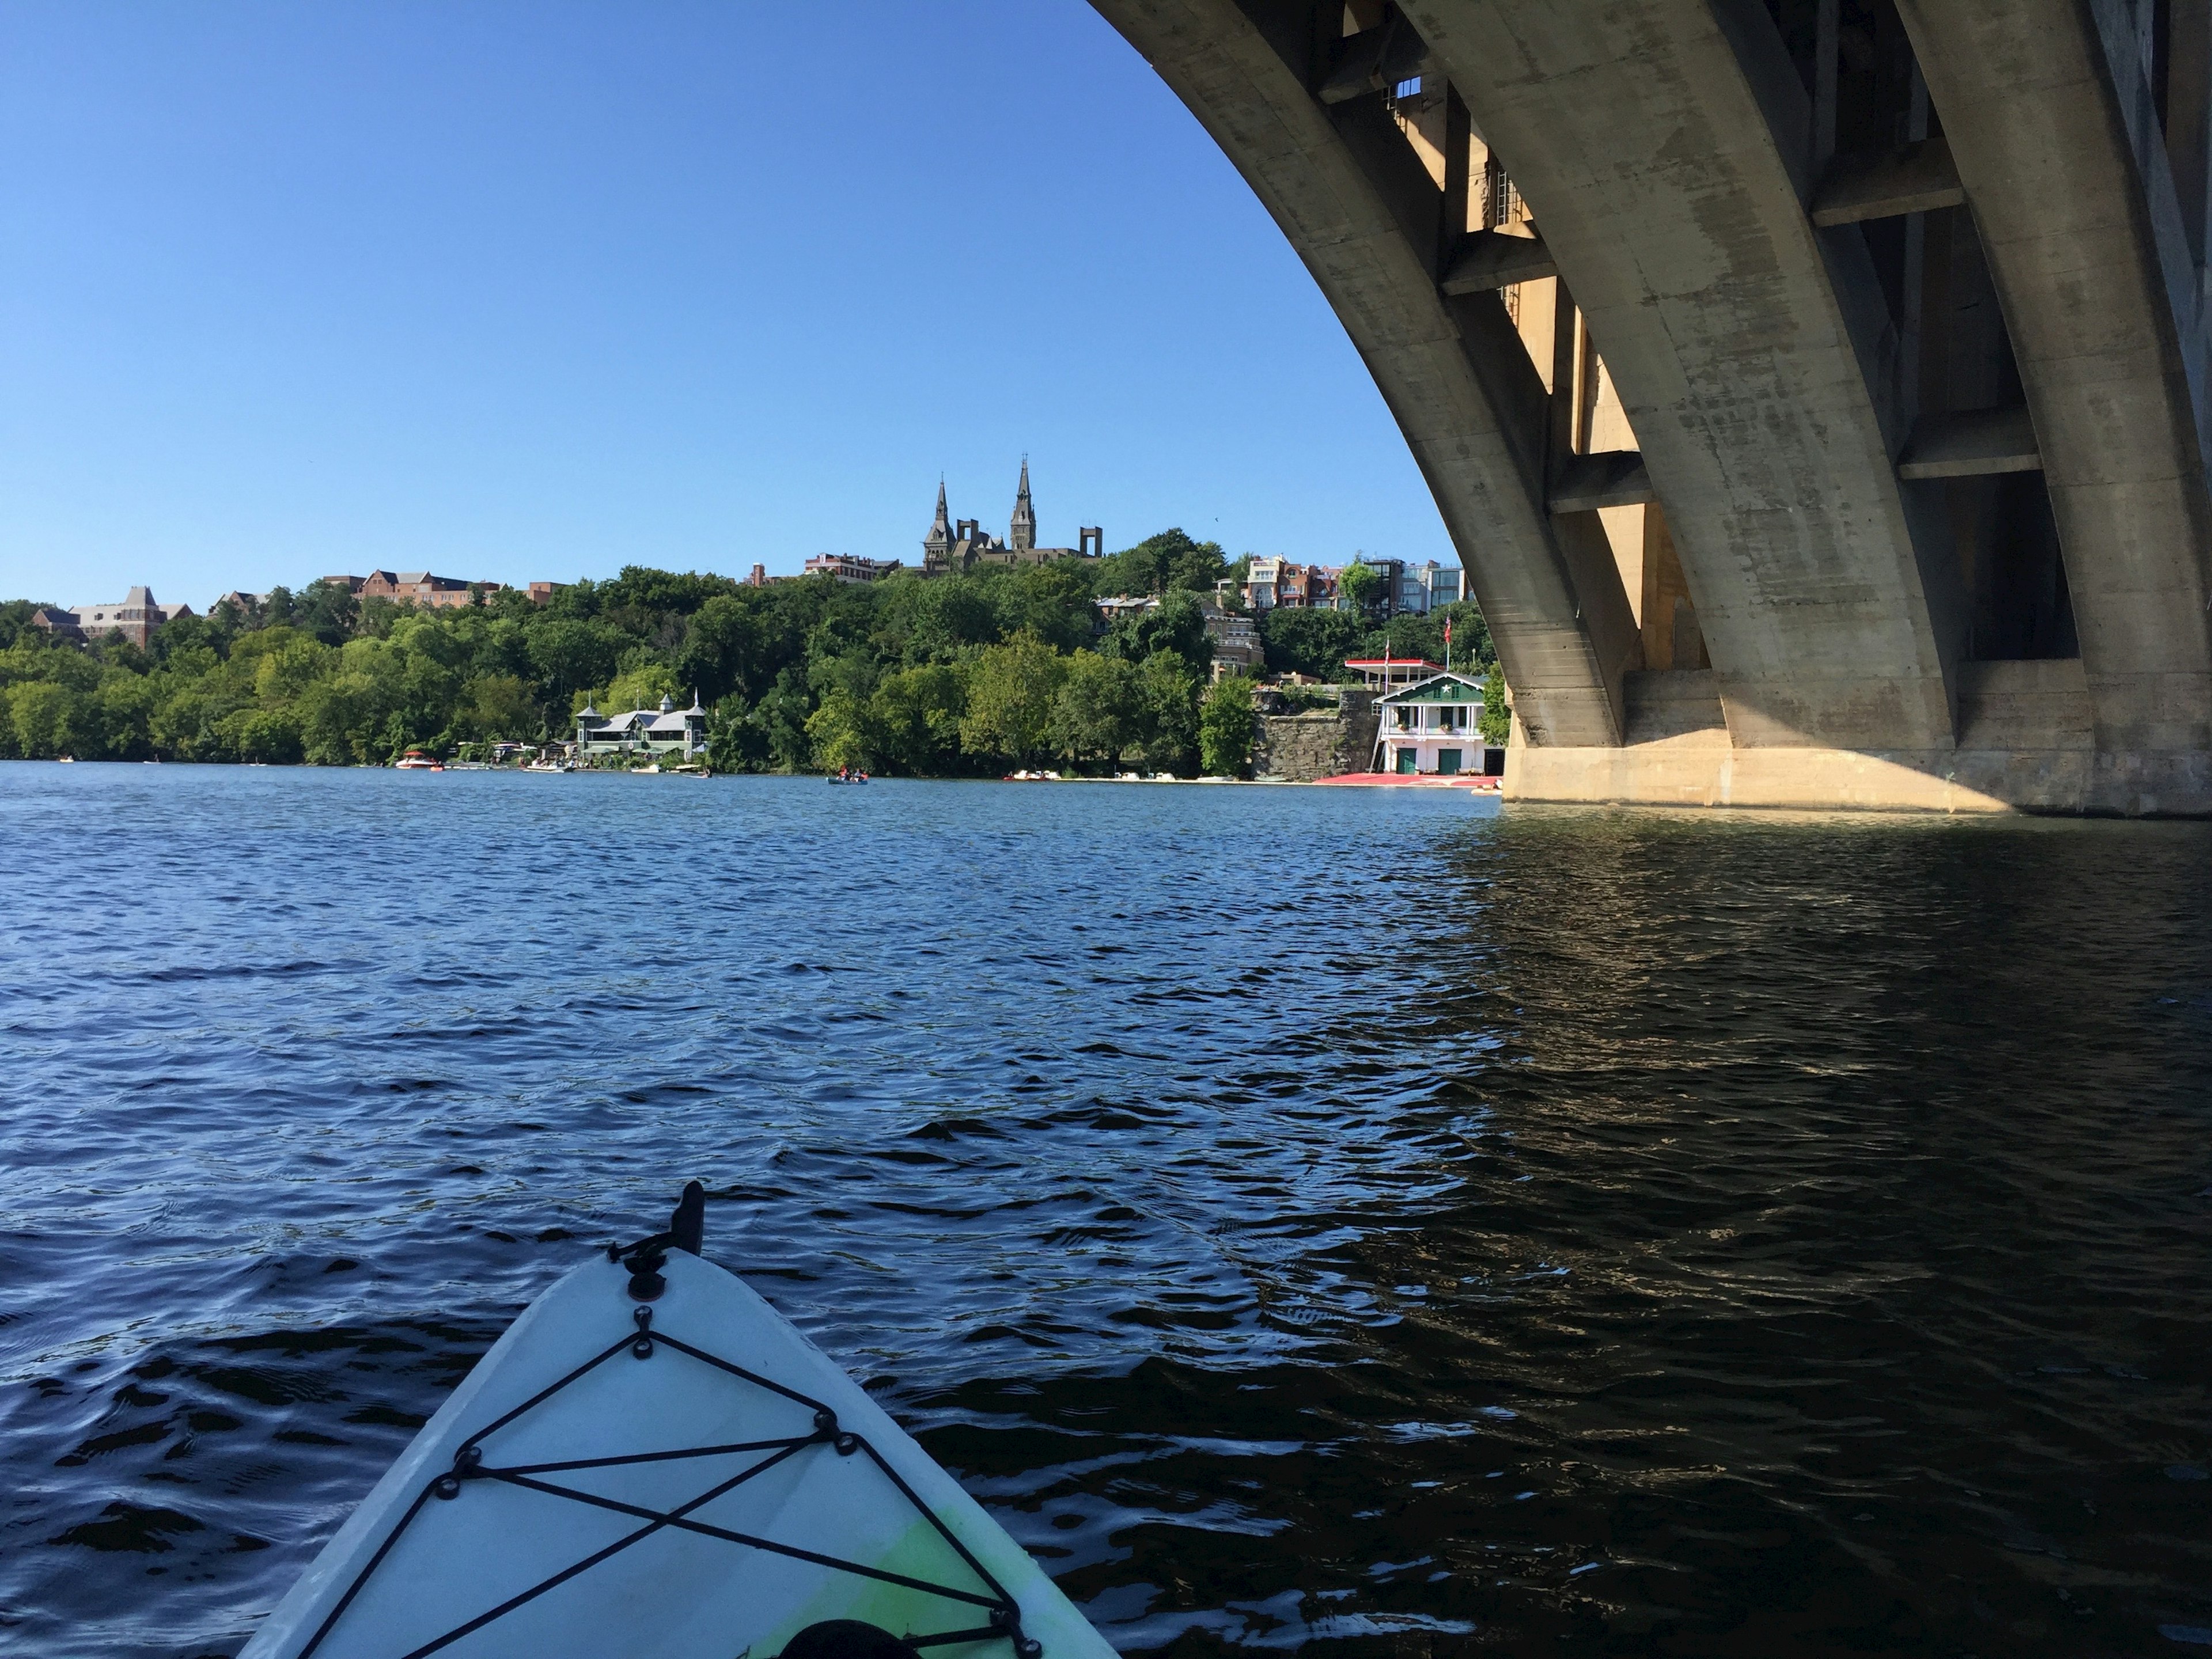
pixel 1814 389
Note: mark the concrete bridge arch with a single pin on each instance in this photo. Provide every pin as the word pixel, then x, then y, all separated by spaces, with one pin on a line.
pixel 1815 390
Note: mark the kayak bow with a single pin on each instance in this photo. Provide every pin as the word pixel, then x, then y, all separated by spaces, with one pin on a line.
pixel 653 1461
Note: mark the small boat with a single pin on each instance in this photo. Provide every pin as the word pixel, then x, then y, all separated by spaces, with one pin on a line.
pixel 653 1461
pixel 418 759
pixel 848 777
pixel 650 766
pixel 64 760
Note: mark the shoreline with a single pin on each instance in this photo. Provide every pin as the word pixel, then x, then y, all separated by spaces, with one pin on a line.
pixel 1474 783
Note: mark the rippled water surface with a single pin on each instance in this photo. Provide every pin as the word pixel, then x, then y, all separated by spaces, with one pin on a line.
pixel 1304 1216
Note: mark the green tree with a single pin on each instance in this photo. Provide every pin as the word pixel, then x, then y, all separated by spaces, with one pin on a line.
pixel 1236 576
pixel 570 655
pixel 1010 692
pixel 1054 602
pixel 46 718
pixel 1226 725
pixel 1176 623
pixel 779 720
pixel 323 610
pixel 840 731
pixel 16 621
pixel 315 673
pixel 935 620
pixel 640 685
pixel 1099 710
pixel 1167 694
pixel 500 707
pixel 734 743
pixel 1360 586
pixel 1161 563
pixel 1299 641
pixel 270 736
pixel 917 715
pixel 122 710
pixel 1423 636
pixel 722 648
pixel 1497 713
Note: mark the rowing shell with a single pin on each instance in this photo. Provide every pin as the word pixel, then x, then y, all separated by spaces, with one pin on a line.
pixel 653 1461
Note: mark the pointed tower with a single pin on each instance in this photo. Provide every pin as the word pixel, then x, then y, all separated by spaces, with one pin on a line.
pixel 1021 535
pixel 937 546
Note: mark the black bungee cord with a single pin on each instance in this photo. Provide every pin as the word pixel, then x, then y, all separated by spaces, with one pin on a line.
pixel 643 1261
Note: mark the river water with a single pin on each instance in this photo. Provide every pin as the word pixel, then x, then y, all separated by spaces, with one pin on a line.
pixel 1353 1218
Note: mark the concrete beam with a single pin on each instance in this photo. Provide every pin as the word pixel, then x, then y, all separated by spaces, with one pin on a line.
pixel 1972 443
pixel 1374 60
pixel 1664 146
pixel 1486 260
pixel 1918 178
pixel 1609 477
pixel 2047 110
pixel 1361 210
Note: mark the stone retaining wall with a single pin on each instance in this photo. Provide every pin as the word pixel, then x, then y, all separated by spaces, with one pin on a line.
pixel 1301 748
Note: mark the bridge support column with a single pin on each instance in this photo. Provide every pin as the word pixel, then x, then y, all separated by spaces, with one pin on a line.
pixel 2053 114
pixel 1904 305
pixel 1305 121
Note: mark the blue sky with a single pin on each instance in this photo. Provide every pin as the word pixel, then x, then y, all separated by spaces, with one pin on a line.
pixel 519 292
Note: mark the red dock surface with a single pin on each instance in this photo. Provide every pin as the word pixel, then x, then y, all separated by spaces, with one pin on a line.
pixel 1415 780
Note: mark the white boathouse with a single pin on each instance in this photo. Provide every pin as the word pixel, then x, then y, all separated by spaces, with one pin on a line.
pixel 1434 726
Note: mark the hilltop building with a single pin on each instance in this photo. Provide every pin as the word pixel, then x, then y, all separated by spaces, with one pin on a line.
pixel 1408 589
pixel 845 568
pixel 1236 646
pixel 57 622
pixel 953 546
pixel 420 587
pixel 135 617
pixel 1274 583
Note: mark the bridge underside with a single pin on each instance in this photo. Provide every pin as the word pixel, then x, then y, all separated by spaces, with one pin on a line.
pixel 1814 389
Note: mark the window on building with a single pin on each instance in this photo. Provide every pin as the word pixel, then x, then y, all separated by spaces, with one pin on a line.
pixel 1407 89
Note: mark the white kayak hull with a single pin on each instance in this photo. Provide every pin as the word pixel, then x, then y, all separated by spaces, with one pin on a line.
pixel 435 1549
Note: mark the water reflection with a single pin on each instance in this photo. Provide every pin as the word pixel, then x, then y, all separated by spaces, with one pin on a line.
pixel 1302 1218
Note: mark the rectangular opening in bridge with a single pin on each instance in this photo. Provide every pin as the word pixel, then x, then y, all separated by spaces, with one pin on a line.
pixel 2182 80
pixel 1974 447
pixel 1885 175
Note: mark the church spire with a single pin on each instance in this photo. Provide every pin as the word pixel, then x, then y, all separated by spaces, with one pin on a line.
pixel 1021 535
pixel 940 539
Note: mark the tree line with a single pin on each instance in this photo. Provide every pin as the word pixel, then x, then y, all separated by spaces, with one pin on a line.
pixel 955 675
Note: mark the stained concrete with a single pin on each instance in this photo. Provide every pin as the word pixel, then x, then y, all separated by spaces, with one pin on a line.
pixel 2084 235
pixel 1673 162
pixel 1679 220
pixel 1366 218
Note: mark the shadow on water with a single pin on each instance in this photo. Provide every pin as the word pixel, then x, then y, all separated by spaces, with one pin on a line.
pixel 1305 1220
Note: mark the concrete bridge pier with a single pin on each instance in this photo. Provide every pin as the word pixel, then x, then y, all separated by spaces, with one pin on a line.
pixel 1815 390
